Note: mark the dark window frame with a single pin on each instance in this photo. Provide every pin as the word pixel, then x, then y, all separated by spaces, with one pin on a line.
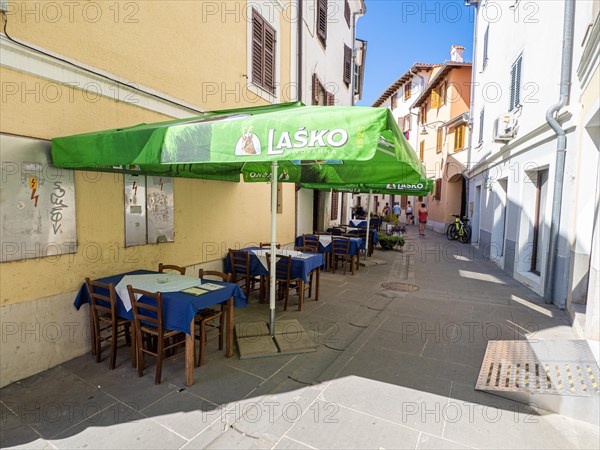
pixel 516 75
pixel 264 68
pixel 347 13
pixel 347 68
pixel 322 21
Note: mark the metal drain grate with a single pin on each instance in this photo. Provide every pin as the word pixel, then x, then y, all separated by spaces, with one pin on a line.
pixel 401 287
pixel 545 367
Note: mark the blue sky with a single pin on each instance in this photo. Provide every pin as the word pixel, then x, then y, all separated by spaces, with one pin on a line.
pixel 400 33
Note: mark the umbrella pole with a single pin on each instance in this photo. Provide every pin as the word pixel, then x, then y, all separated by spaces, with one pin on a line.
pixel 273 247
pixel 368 222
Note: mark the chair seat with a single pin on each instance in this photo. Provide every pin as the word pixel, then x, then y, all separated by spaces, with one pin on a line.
pixel 207 314
pixel 154 331
pixel 108 319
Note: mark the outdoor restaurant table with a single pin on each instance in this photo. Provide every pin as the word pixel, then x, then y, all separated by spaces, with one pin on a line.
pixel 325 246
pixel 350 230
pixel 302 266
pixel 358 222
pixel 179 310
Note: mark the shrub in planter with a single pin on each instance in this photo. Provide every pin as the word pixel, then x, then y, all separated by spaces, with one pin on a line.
pixel 391 218
pixel 389 242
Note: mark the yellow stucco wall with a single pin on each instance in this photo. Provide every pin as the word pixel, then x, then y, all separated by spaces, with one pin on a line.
pixel 192 50
pixel 210 216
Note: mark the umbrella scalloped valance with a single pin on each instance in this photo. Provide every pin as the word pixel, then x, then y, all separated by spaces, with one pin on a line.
pixel 312 144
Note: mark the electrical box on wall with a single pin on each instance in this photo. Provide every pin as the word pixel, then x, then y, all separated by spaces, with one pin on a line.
pixel 37 201
pixel 148 210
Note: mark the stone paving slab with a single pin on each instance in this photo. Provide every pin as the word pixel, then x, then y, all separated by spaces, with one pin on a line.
pixel 369 384
pixel 291 343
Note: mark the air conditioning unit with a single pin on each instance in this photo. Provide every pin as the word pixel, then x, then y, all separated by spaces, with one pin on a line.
pixel 505 127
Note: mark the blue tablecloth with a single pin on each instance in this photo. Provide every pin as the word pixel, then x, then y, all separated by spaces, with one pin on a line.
pixel 301 267
pixel 373 231
pixel 356 244
pixel 178 308
pixel 358 223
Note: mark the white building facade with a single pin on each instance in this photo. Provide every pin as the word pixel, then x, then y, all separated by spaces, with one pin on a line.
pixel 331 73
pixel 513 152
pixel 399 97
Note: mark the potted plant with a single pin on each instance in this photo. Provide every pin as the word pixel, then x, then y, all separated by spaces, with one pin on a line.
pixel 389 242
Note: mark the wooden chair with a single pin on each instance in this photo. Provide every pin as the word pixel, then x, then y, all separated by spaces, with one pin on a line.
pixel 340 251
pixel 206 318
pixel 268 245
pixel 362 233
pixel 240 272
pixel 305 249
pixel 148 322
pixel 311 240
pixel 162 267
pixel 103 318
pixel 285 282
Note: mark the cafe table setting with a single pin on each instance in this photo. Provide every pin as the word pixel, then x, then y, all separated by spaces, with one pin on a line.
pixel 182 297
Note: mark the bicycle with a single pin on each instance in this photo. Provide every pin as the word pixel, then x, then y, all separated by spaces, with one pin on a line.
pixel 459 229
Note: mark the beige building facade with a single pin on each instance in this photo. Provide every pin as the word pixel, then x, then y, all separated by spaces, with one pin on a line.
pixel 443 136
pixel 70 68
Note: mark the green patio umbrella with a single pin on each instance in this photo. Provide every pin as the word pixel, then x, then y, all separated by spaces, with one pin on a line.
pixel 288 142
pixel 421 188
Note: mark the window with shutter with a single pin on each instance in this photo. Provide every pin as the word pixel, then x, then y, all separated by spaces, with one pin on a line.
pixel 443 93
pixel 438 190
pixel 435 99
pixel 407 122
pixel 322 21
pixel 424 114
pixel 401 123
pixel 481 118
pixel 439 141
pixel 422 150
pixel 347 12
pixel 407 90
pixel 329 99
pixel 334 205
pixel 315 89
pixel 459 138
pixel 347 64
pixel 394 101
pixel 485 46
pixel 263 53
pixel 515 83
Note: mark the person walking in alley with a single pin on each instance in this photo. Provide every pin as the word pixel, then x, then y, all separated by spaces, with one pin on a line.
pixel 386 209
pixel 410 219
pixel 422 219
pixel 397 210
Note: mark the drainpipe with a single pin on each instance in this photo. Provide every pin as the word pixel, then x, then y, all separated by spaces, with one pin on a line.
pixel 299 64
pixel 561 150
pixel 471 97
pixel 361 13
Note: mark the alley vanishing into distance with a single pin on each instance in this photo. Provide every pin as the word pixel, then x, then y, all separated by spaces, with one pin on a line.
pixel 393 369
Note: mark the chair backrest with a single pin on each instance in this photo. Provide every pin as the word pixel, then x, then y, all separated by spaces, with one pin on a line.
pixel 162 267
pixel 306 249
pixel 151 313
pixel 340 246
pixel 283 267
pixel 240 263
pixel 99 301
pixel 310 240
pixel 226 277
pixel 322 233
pixel 268 245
